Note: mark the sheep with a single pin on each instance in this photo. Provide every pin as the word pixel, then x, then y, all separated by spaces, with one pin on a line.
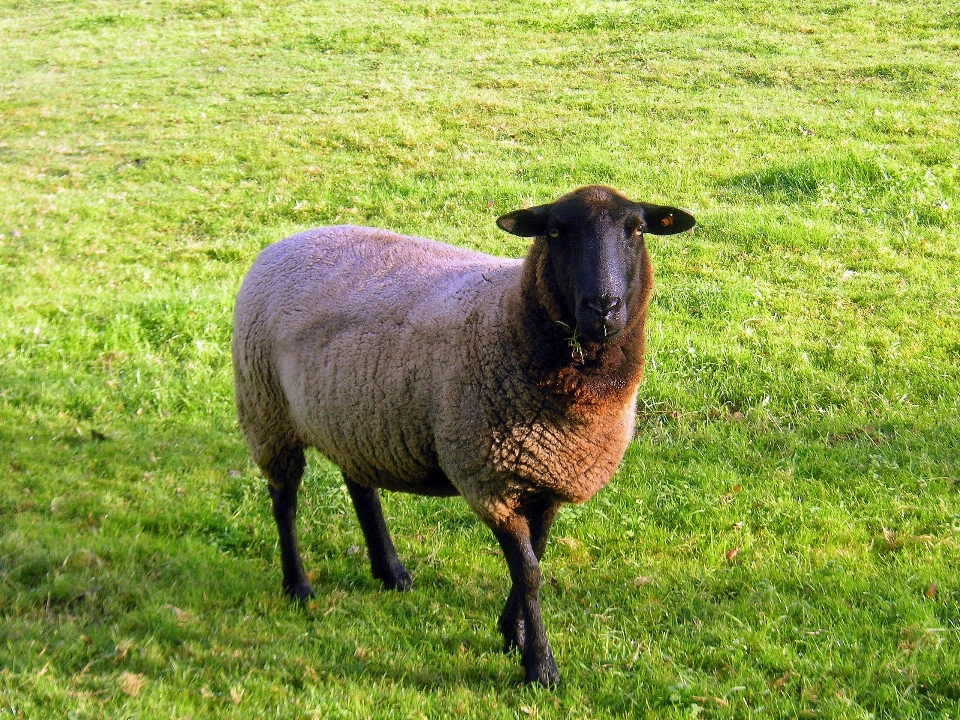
pixel 420 367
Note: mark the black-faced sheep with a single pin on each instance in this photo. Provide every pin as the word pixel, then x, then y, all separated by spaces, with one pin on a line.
pixel 425 368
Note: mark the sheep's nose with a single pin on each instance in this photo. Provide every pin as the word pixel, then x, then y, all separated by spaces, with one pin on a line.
pixel 603 305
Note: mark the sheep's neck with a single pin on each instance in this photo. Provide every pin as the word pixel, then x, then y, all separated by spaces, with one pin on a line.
pixel 570 371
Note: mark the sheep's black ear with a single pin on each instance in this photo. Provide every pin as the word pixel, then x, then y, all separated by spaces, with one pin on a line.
pixel 664 220
pixel 530 222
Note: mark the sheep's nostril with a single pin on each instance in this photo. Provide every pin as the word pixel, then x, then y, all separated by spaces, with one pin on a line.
pixel 604 305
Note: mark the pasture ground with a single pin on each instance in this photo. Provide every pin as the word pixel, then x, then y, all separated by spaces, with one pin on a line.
pixel 783 539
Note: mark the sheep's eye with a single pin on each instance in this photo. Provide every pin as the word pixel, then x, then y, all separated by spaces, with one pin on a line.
pixel 554 233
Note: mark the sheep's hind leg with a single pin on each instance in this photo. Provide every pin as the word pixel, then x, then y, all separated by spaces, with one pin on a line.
pixel 540 516
pixel 284 474
pixel 384 563
pixel 515 539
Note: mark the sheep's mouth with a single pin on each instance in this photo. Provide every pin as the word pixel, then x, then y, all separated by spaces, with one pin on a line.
pixel 601 330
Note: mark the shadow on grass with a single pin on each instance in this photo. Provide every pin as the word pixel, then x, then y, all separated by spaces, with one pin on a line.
pixel 804 180
pixel 865 188
pixel 119 563
pixel 181 603
pixel 176 577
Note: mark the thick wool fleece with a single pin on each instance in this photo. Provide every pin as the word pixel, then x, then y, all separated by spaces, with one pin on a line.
pixel 421 367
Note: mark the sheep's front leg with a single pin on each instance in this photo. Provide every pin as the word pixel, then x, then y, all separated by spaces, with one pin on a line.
pixel 515 539
pixel 384 562
pixel 540 515
pixel 284 473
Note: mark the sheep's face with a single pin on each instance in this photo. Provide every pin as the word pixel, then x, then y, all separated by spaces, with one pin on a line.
pixel 595 242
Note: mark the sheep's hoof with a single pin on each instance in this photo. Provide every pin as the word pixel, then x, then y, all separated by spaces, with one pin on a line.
pixel 543 673
pixel 397 579
pixel 301 592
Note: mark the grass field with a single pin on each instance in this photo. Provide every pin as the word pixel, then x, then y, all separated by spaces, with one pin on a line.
pixel 783 538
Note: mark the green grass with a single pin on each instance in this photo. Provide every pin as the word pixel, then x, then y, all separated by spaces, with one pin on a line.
pixel 783 538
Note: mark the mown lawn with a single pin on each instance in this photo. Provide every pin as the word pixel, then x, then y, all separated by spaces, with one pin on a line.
pixel 783 538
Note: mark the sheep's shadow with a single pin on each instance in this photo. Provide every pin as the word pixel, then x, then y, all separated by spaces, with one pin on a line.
pixel 470 657
pixel 196 607
pixel 197 583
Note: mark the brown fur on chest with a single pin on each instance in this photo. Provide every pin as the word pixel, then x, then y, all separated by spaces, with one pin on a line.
pixel 570 460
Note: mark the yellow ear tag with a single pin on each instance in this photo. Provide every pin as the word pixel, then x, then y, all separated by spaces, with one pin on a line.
pixel 667 221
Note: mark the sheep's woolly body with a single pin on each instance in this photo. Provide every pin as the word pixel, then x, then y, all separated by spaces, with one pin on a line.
pixel 420 367
pixel 408 364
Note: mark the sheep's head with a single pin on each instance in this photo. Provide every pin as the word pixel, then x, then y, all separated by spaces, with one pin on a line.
pixel 595 243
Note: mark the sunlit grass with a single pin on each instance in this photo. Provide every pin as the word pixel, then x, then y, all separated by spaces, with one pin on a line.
pixel 782 538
